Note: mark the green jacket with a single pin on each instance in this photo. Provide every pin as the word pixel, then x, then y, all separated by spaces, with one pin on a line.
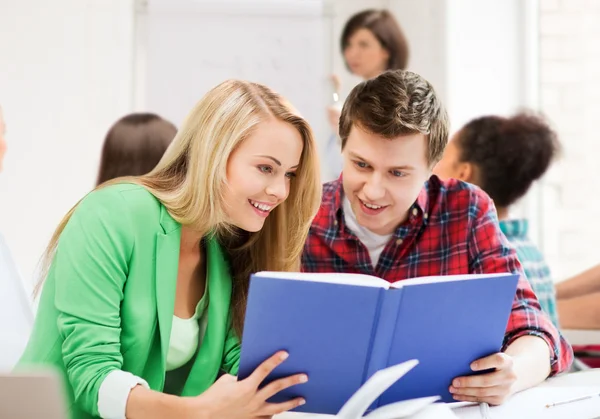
pixel 108 300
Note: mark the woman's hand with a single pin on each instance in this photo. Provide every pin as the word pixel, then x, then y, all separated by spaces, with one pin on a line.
pixel 333 116
pixel 229 398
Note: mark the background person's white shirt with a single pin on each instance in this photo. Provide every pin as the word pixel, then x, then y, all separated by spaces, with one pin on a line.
pixel 16 312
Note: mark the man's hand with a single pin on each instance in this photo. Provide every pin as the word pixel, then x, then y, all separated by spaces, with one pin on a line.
pixel 493 387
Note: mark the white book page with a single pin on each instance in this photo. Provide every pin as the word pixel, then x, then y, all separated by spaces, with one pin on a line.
pixel 360 401
pixel 330 277
pixel 407 409
pixel 435 411
pixel 443 278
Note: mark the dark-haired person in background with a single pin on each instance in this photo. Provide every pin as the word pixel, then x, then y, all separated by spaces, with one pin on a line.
pixel 134 145
pixel 504 156
pixel 371 43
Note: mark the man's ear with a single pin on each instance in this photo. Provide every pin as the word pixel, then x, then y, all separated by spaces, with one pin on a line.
pixel 466 172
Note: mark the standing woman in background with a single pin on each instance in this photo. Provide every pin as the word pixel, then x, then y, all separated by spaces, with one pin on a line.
pixel 371 43
pixel 134 145
pixel 147 277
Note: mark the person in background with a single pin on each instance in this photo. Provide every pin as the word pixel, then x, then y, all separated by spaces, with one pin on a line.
pixel 371 43
pixel 579 300
pixel 134 145
pixel 16 312
pixel 146 278
pixel 578 303
pixel 3 146
pixel 388 216
pixel 504 156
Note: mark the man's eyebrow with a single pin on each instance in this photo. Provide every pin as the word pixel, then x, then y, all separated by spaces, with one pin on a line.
pixel 401 167
pixel 356 156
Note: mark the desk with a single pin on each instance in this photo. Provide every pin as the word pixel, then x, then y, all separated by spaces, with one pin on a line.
pixel 581 337
pixel 583 378
pixel 578 379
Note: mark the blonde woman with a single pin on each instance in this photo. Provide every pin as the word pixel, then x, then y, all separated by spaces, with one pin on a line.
pixel 144 298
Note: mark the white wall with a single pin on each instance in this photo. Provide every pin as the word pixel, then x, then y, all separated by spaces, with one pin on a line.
pixel 484 58
pixel 424 24
pixel 63 83
pixel 65 76
pixel 190 47
pixel 570 96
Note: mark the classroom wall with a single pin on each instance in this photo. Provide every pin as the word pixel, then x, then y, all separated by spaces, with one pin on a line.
pixel 570 96
pixel 64 83
pixel 65 76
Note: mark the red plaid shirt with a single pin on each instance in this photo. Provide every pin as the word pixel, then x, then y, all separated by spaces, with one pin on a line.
pixel 452 229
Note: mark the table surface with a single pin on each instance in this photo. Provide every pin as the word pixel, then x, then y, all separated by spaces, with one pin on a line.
pixel 583 378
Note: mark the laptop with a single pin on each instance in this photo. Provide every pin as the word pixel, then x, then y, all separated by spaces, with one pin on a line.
pixel 31 396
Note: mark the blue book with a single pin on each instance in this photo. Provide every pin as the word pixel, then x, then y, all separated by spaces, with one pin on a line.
pixel 340 329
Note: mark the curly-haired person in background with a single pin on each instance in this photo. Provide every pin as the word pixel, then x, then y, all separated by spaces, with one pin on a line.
pixel 504 156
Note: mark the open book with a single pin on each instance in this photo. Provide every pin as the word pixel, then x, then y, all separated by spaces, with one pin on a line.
pixel 357 406
pixel 340 329
pixel 360 402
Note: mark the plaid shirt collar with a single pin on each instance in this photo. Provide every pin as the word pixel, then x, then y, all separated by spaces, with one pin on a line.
pixel 332 205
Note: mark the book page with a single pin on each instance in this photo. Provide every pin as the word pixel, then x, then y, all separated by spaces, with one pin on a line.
pixel 372 389
pixel 443 278
pixel 420 407
pixel 330 277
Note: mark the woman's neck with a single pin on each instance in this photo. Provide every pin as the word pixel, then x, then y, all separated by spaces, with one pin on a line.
pixel 190 240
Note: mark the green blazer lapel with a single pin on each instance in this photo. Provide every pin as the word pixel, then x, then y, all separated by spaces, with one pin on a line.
pixel 168 243
pixel 208 360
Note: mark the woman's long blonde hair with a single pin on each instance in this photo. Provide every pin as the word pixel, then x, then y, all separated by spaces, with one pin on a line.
pixel 191 177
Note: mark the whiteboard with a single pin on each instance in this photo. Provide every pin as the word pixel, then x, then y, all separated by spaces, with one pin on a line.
pixel 186 47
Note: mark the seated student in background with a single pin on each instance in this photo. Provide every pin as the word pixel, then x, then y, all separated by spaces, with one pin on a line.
pixel 578 303
pixel 2 139
pixel 504 156
pixel 147 276
pixel 134 145
pixel 579 300
pixel 16 313
pixel 387 216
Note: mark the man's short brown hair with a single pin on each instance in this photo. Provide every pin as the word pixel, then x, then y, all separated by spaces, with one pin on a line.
pixel 397 103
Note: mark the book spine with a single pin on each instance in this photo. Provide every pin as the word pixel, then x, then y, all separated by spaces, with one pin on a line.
pixel 367 368
pixel 383 332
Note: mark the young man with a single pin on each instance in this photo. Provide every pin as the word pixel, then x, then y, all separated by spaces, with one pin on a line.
pixel 387 216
